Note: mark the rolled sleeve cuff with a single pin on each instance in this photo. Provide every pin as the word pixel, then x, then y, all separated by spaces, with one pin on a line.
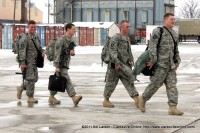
pixel 22 62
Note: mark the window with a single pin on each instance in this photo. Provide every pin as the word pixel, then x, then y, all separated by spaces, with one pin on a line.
pixel 3 3
pixel 107 15
pixel 89 15
pixel 144 16
pixel 169 8
pixel 126 14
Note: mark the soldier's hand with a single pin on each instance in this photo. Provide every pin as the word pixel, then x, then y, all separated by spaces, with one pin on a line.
pixel 176 67
pixel 43 54
pixel 150 65
pixel 118 67
pixel 57 70
pixel 72 52
pixel 131 63
pixel 22 66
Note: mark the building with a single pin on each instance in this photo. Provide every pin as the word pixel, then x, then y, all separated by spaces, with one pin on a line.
pixel 7 12
pixel 138 12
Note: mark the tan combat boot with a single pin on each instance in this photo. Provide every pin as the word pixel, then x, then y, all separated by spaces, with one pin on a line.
pixel 19 92
pixel 174 111
pixel 142 103
pixel 107 103
pixel 32 100
pixel 76 99
pixel 53 100
pixel 135 98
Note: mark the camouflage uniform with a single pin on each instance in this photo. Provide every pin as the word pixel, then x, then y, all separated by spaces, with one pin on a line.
pixel 120 52
pixel 165 71
pixel 28 55
pixel 62 60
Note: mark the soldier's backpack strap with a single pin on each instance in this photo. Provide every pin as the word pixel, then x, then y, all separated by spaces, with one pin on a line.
pixel 175 45
pixel 161 32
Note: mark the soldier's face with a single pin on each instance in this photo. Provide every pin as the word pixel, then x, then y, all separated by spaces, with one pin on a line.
pixel 72 30
pixel 32 29
pixel 169 21
pixel 125 27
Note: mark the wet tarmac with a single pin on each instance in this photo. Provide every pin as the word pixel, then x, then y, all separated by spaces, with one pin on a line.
pixel 17 116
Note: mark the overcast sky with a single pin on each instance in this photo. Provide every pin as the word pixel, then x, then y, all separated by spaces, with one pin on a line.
pixel 178 4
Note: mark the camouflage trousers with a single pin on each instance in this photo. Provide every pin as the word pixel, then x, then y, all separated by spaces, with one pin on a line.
pixel 112 78
pixel 31 79
pixel 166 76
pixel 69 86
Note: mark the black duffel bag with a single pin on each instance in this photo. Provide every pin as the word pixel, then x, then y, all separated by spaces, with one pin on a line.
pixel 148 72
pixel 40 60
pixel 57 82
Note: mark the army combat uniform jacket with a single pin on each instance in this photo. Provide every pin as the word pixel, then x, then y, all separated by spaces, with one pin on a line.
pixel 62 52
pixel 120 50
pixel 166 52
pixel 27 51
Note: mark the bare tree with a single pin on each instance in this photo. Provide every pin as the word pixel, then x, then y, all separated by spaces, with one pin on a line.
pixel 190 9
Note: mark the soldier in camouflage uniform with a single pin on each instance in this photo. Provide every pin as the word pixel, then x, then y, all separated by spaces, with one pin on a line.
pixel 120 63
pixel 27 60
pixel 61 62
pixel 167 59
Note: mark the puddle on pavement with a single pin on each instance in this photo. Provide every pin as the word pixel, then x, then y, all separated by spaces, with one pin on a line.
pixel 23 103
pixel 191 99
pixel 59 129
pixel 44 129
pixel 16 120
pixel 10 104
pixel 138 127
pixel 11 120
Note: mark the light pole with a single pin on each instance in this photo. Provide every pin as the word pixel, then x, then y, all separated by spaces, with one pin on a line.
pixel 14 11
pixel 72 11
pixel 23 11
pixel 29 10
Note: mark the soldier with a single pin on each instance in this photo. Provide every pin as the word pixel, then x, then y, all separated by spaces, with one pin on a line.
pixel 61 61
pixel 166 58
pixel 27 60
pixel 121 62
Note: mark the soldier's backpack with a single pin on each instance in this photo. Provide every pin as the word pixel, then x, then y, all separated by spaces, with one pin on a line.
pixel 105 56
pixel 50 49
pixel 15 45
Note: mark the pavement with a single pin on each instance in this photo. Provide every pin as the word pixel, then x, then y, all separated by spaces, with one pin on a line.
pixel 17 116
